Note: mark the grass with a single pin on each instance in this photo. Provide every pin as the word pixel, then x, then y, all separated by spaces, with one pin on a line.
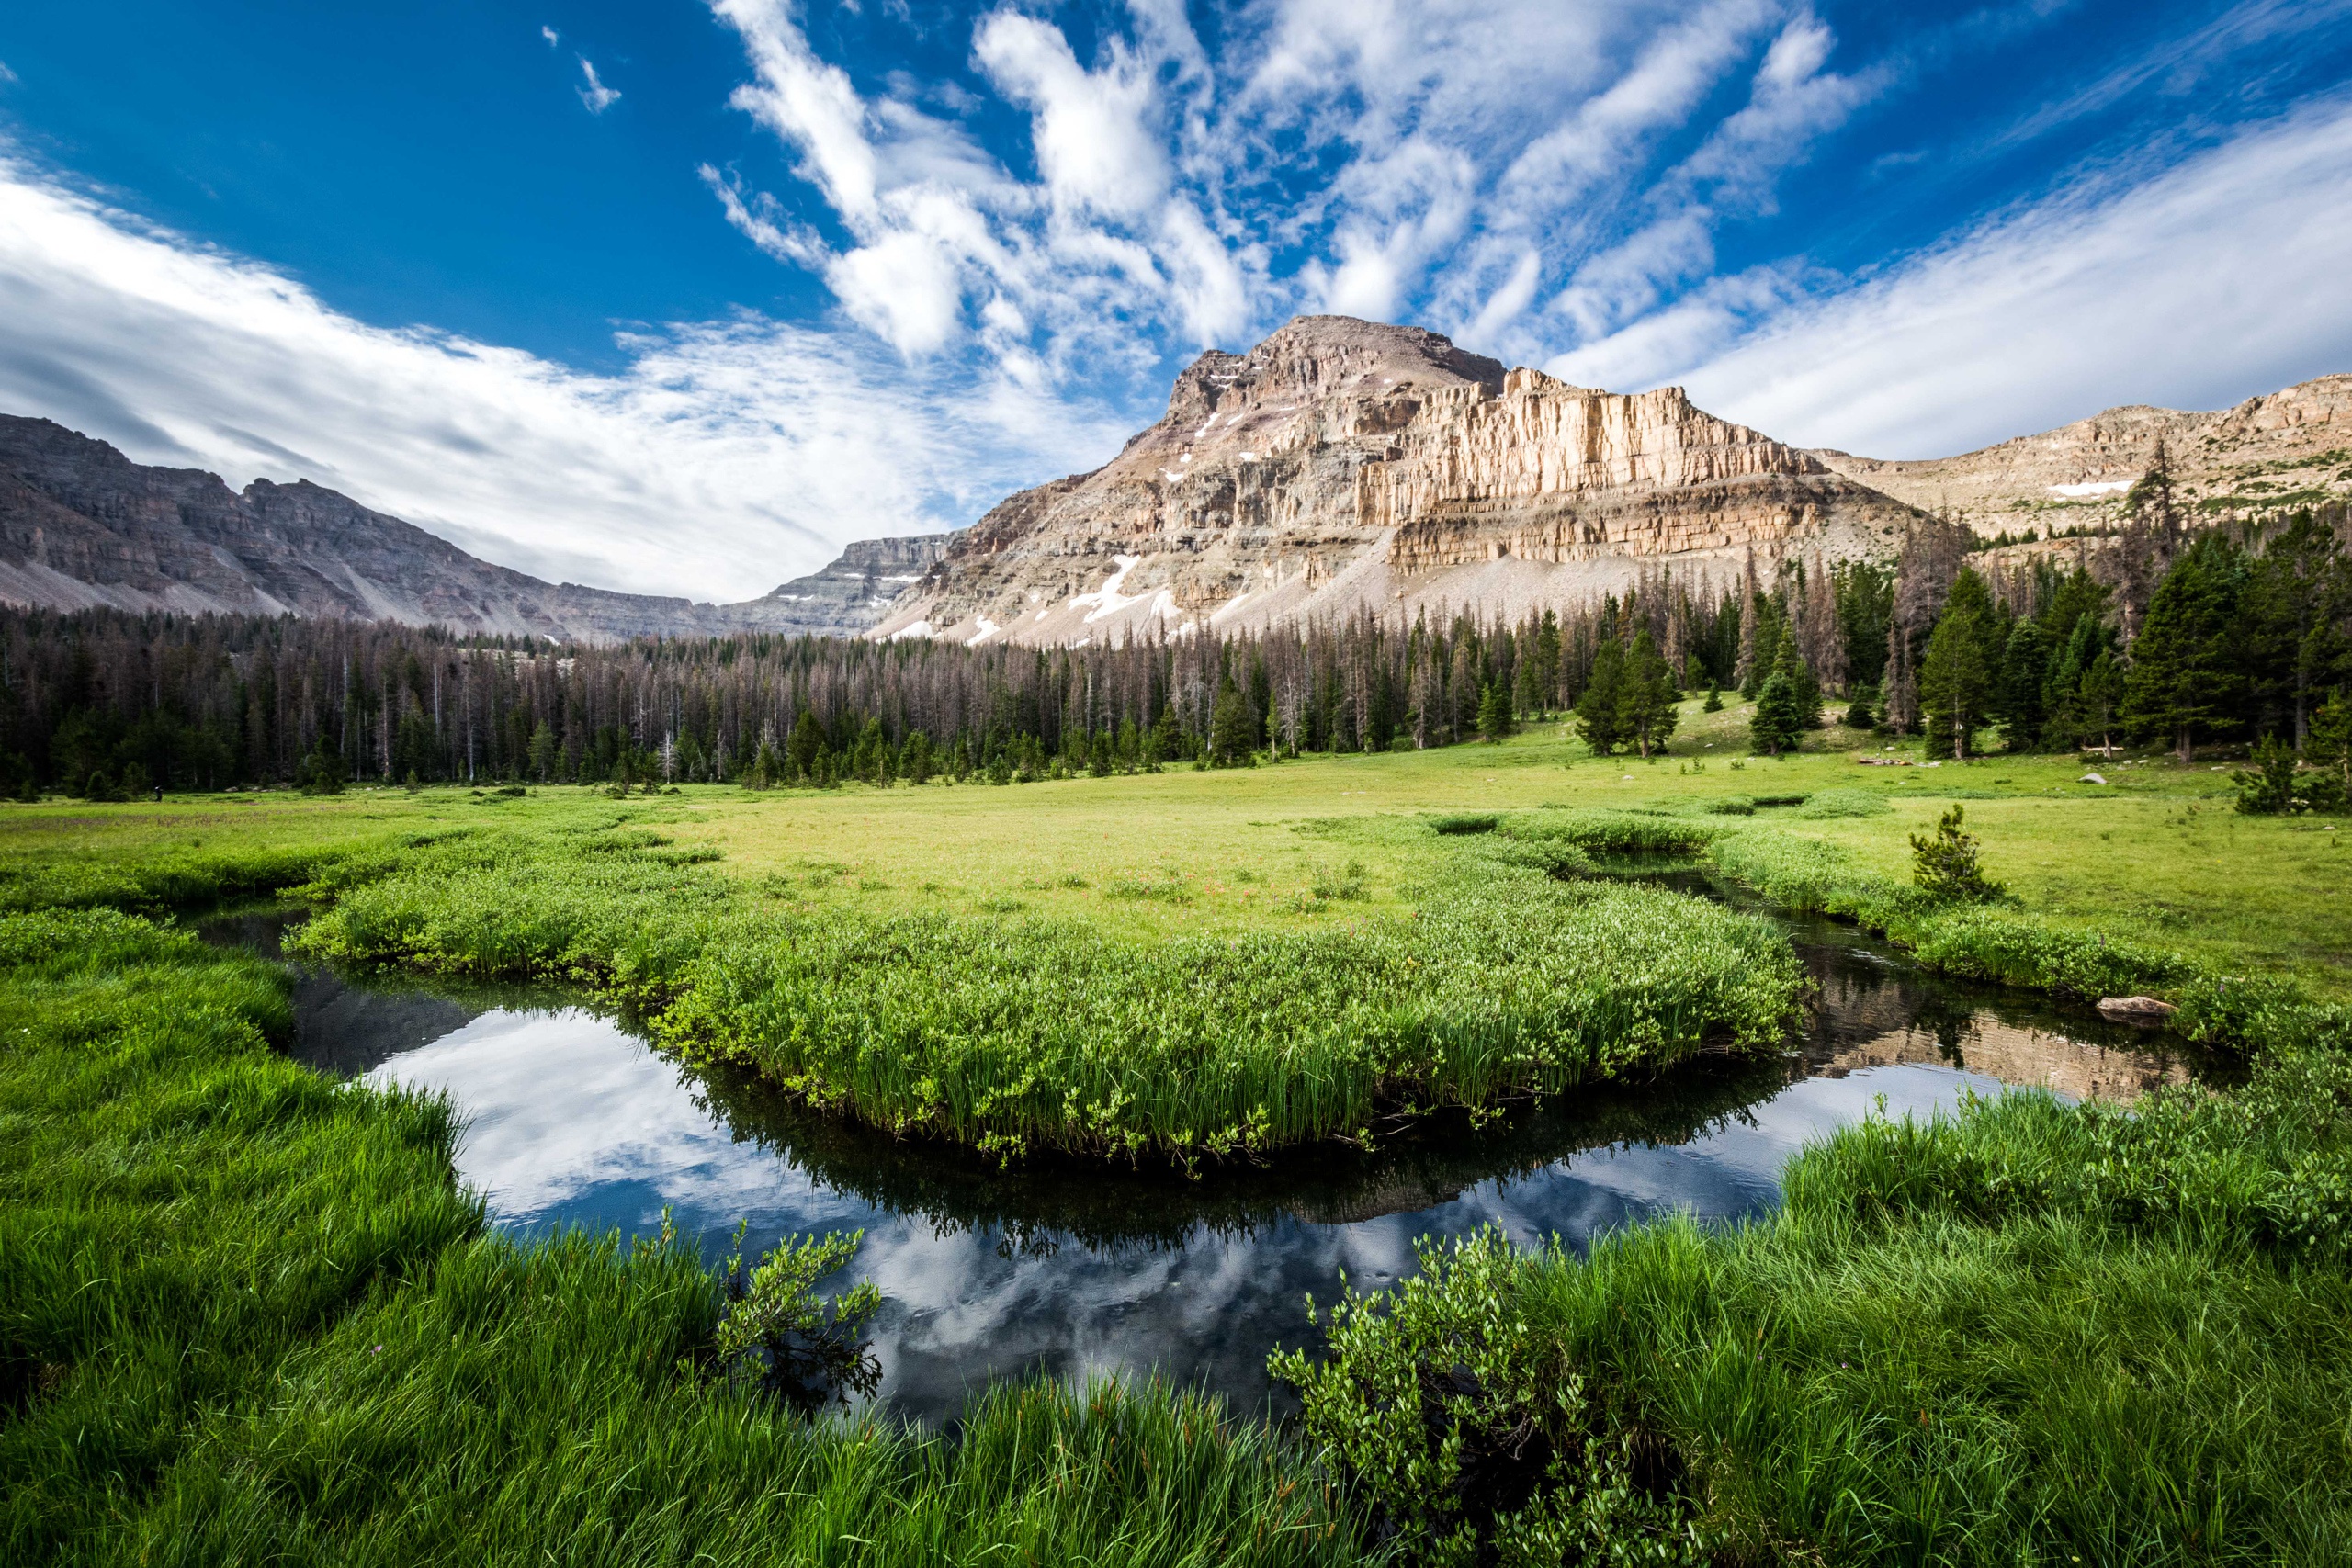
pixel 247 1316
pixel 2029 1333
pixel 2157 856
pixel 2032 1333
pixel 1032 1031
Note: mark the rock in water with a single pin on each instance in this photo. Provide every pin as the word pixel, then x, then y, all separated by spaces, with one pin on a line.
pixel 2146 1012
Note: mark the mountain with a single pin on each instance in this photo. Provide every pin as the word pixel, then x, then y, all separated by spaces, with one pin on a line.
pixel 2285 449
pixel 1345 465
pixel 81 525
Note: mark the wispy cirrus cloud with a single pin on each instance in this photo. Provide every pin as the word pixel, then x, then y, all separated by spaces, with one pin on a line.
pixel 724 457
pixel 2194 285
pixel 595 95
pixel 1016 237
pixel 1464 152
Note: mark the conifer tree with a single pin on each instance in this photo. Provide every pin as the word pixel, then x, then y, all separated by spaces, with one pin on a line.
pixel 800 751
pixel 1956 676
pixel 1779 720
pixel 2188 675
pixel 1599 708
pixel 2298 598
pixel 2023 708
pixel 1494 712
pixel 1547 661
pixel 1646 714
pixel 1233 724
pixel 542 752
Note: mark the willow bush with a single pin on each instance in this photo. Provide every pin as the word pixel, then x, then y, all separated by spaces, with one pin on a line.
pixel 1025 1033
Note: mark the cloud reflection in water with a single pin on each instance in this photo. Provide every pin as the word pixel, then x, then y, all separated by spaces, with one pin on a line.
pixel 571 1120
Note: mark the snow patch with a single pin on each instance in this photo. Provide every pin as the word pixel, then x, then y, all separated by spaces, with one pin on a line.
pixel 988 629
pixel 2102 486
pixel 920 629
pixel 1249 457
pixel 1107 600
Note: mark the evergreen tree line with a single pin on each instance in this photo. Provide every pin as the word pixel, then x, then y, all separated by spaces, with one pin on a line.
pixel 108 702
pixel 2240 633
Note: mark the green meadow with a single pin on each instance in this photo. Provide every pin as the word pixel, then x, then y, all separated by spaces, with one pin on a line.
pixel 248 1314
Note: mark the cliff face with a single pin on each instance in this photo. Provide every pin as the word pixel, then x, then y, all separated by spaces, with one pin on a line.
pixel 2271 453
pixel 1343 464
pixel 856 589
pixel 82 525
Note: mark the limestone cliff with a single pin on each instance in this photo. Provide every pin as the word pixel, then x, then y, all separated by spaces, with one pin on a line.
pixel 2284 449
pixel 1342 464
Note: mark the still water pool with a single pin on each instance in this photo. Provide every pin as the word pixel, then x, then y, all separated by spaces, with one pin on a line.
pixel 573 1120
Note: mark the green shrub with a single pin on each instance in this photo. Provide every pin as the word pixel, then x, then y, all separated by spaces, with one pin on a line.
pixel 2026 1332
pixel 1946 865
pixel 1028 1032
pixel 1611 832
pixel 1466 1436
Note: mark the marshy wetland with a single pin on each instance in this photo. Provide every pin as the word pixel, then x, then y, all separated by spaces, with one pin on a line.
pixel 1774 1205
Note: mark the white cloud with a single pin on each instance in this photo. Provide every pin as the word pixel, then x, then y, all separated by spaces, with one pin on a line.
pixel 1094 144
pixel 549 34
pixel 725 457
pixel 595 95
pixel 2193 287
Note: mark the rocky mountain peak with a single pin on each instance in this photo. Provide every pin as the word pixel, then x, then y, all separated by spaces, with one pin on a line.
pixel 1342 465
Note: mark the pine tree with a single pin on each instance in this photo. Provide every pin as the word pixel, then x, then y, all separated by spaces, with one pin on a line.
pixel 1646 714
pixel 1494 712
pixel 1233 725
pixel 1956 677
pixel 2188 676
pixel 1530 699
pixel 2329 751
pixel 1547 661
pixel 2297 600
pixel 2083 686
pixel 1599 708
pixel 542 752
pixel 2022 707
pixel 1946 865
pixel 800 751
pixel 1779 719
pixel 1164 743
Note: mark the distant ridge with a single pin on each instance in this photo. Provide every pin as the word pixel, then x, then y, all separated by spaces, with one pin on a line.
pixel 82 525
pixel 1339 467
pixel 2282 449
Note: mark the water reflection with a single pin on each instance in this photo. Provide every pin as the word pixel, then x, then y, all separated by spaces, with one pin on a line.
pixel 573 1120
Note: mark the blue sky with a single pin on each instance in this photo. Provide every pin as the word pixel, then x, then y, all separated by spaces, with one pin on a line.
pixel 679 297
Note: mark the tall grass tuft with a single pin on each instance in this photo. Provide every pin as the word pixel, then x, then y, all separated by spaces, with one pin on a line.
pixel 1027 1032
pixel 246 1314
pixel 2030 1332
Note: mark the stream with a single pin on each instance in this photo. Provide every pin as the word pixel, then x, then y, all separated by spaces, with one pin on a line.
pixel 573 1120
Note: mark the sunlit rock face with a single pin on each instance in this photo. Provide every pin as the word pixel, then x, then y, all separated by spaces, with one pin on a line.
pixel 1345 465
pixel 2271 453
